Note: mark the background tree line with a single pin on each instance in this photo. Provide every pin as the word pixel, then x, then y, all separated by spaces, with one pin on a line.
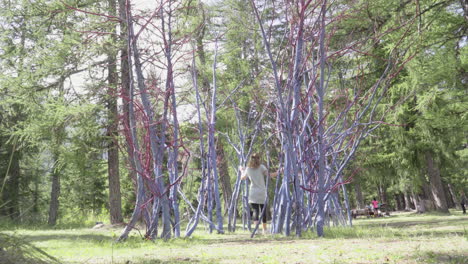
pixel 61 131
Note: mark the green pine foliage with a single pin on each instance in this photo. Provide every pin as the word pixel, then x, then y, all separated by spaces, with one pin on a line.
pixel 48 124
pixel 428 103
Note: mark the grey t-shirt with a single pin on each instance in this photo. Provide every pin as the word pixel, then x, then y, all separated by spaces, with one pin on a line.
pixel 257 193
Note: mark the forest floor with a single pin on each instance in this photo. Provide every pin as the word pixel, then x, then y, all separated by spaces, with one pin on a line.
pixel 400 238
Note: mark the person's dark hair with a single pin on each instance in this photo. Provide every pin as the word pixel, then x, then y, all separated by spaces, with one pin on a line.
pixel 254 161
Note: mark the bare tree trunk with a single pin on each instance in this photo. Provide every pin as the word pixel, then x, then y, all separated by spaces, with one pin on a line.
pixel 422 208
pixel 9 187
pixel 407 201
pixel 170 88
pixel 115 203
pixel 418 203
pixel 128 91
pixel 212 146
pixel 130 122
pixel 402 201
pixel 321 114
pixel 157 144
pixel 454 197
pixel 435 183
pixel 464 5
pixel 193 222
pixel 35 208
pixel 54 195
pixel 224 175
pixel 347 205
pixel 399 205
pixel 448 196
pixel 125 85
pixel 383 197
pixel 359 197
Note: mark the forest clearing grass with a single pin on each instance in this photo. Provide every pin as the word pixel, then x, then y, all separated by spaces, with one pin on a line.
pixel 400 238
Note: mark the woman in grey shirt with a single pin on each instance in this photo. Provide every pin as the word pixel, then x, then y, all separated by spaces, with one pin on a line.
pixel 256 173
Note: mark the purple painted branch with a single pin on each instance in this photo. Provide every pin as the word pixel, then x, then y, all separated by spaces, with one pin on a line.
pixel 140 197
pixel 170 88
pixel 321 146
pixel 201 193
pixel 212 144
pixel 166 233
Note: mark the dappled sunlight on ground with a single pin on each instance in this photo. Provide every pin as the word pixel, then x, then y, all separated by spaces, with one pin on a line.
pixel 402 238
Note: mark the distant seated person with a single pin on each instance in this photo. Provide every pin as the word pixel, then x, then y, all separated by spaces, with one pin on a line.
pixel 369 210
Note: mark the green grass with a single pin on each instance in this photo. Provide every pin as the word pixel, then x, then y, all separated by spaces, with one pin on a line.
pixel 402 238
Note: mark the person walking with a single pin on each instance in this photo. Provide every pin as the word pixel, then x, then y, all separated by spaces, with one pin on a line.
pixel 375 205
pixel 463 201
pixel 256 173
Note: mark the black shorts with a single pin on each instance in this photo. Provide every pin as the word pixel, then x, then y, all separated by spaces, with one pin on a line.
pixel 257 210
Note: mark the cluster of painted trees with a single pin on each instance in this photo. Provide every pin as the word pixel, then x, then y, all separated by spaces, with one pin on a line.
pixel 152 106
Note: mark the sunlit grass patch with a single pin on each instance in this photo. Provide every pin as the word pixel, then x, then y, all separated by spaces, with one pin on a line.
pixel 403 238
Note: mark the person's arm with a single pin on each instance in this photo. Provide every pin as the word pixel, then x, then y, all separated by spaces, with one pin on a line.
pixel 276 173
pixel 266 174
pixel 243 172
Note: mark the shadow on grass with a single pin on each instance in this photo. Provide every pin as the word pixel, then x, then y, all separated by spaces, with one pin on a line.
pixel 72 237
pixel 246 240
pixel 332 233
pixel 8 225
pixel 402 224
pixel 367 229
pixel 430 257
pixel 179 260
pixel 393 234
pixel 98 239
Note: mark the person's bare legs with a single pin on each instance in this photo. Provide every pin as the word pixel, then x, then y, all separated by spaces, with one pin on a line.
pixel 264 227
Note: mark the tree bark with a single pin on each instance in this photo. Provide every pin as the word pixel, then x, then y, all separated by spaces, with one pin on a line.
pixel 54 195
pixel 399 205
pixel 130 123
pixel 421 208
pixel 321 129
pixel 359 197
pixel 418 203
pixel 212 145
pixel 464 5
pixel 115 203
pixel 448 196
pixel 454 197
pixel 383 197
pixel 201 50
pixel 407 201
pixel 224 175
pixel 35 208
pixel 156 143
pixel 10 185
pixel 435 183
pixel 125 85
